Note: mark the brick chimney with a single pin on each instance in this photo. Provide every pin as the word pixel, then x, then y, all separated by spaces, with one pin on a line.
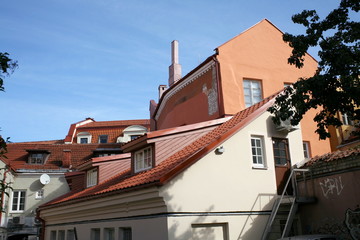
pixel 175 67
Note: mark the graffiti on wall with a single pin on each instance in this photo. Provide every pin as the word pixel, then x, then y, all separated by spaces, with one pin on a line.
pixel 331 186
pixel 352 222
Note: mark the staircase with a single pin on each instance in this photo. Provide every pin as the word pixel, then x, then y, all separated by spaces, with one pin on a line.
pixel 284 210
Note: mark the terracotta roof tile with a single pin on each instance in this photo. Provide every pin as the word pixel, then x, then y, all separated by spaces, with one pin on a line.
pixel 17 155
pixel 175 163
pixel 116 123
pixel 328 157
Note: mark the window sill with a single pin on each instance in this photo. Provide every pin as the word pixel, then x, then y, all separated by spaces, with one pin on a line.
pixel 259 168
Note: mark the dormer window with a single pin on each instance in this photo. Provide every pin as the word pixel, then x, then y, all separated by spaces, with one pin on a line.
pixel 83 138
pixel 103 138
pixel 143 159
pixel 37 156
pixel 91 177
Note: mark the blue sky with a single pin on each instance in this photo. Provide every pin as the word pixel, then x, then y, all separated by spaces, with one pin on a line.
pixel 105 58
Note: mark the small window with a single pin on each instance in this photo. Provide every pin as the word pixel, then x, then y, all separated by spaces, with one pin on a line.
pixel 346 120
pixel 61 235
pixel 132 137
pixel 143 159
pixel 257 152
pixel 39 194
pixel 70 234
pixel 37 158
pixel 306 147
pixel 91 177
pixel 95 234
pixel 18 201
pixel 103 138
pixel 252 92
pixel 83 138
pixel 53 235
pixel 109 233
pixel 125 234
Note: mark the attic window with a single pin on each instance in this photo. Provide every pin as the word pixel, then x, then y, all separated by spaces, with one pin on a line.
pixel 143 159
pixel 91 177
pixel 38 157
pixel 83 138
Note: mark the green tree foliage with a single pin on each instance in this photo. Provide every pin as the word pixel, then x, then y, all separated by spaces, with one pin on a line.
pixel 7 66
pixel 335 86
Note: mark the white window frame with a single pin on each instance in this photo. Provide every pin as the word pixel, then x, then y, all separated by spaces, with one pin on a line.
pixel 306 148
pixel 252 96
pixel 83 135
pixel 91 177
pixel 39 194
pixel 255 148
pixel 143 159
pixel 22 195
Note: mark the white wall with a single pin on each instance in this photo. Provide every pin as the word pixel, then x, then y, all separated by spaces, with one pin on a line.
pixel 228 184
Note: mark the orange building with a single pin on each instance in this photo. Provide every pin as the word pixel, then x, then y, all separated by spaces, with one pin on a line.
pixel 243 71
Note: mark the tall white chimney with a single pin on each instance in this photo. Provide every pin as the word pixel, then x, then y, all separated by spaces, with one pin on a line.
pixel 175 67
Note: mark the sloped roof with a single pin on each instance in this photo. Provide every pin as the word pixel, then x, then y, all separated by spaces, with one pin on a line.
pixel 173 165
pixel 17 155
pixel 333 156
pixel 119 123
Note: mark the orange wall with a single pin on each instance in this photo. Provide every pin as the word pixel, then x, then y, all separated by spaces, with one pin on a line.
pixel 260 54
pixel 190 104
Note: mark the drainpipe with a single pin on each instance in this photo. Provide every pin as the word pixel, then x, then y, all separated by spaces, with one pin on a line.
pixel 3 195
pixel 42 232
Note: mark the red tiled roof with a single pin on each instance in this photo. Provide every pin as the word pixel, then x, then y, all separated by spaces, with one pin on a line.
pixel 328 157
pixel 173 165
pixel 17 155
pixel 116 123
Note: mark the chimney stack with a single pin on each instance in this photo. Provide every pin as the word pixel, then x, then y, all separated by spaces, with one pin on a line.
pixel 175 67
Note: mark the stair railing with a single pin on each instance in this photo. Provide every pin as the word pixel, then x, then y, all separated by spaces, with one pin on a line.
pixel 279 200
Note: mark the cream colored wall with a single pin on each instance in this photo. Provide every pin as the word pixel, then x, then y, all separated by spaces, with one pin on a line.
pixel 142 228
pixel 135 209
pixel 227 182
pixel 31 183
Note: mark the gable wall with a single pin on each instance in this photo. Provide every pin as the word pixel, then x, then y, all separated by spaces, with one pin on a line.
pixel 260 54
pixel 228 184
pixel 193 103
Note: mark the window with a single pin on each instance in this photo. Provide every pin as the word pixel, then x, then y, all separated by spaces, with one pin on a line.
pixel 61 235
pixel 36 158
pixel 347 120
pixel 132 137
pixel 91 177
pixel 252 92
pixel 39 194
pixel 143 159
pixel 83 138
pixel 125 234
pixel 306 147
pixel 109 234
pixel 53 235
pixel 18 201
pixel 70 234
pixel 281 151
pixel 257 152
pixel 103 138
pixel 95 234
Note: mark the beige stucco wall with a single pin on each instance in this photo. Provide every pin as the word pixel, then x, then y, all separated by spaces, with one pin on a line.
pixel 228 183
pixel 31 183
